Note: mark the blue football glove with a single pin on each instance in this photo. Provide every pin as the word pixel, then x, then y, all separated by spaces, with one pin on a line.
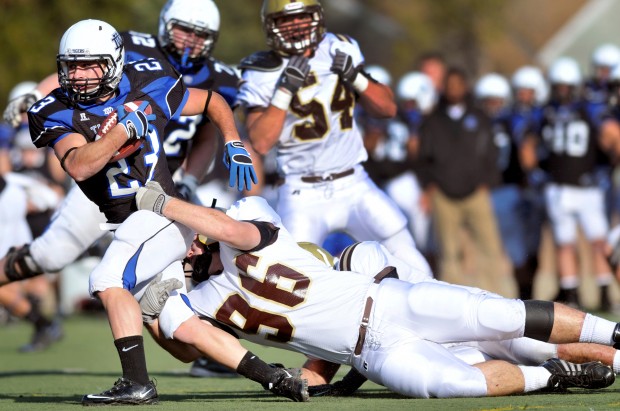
pixel 137 124
pixel 237 160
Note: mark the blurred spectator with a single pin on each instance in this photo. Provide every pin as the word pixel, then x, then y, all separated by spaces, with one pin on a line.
pixel 433 65
pixel 458 164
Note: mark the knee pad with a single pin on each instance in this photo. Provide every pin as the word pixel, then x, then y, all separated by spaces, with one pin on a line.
pixel 539 317
pixel 505 316
pixel 19 264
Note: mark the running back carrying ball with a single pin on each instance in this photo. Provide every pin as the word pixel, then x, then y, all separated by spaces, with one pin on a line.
pixel 133 123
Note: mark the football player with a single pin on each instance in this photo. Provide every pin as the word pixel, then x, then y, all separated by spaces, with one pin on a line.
pixel 94 82
pixel 265 288
pixel 76 226
pixel 300 98
pixel 572 195
pixel 530 94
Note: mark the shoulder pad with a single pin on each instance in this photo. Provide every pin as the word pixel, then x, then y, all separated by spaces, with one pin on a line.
pixel 344 38
pixel 261 61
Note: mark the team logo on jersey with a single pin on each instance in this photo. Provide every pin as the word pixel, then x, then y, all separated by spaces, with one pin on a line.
pixel 83 117
pixel 108 110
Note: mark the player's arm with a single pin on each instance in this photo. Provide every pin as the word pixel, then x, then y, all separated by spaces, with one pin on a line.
pixel 264 126
pixel 236 157
pixel 376 98
pixel 198 160
pixel 214 106
pixel 81 160
pixel 209 222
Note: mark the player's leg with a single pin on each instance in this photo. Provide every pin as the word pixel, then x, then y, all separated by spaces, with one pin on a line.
pixel 559 202
pixel 593 221
pixel 74 228
pixel 144 245
pixel 374 216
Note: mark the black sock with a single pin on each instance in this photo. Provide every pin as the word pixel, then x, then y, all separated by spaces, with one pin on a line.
pixel 255 369
pixel 131 353
pixel 36 317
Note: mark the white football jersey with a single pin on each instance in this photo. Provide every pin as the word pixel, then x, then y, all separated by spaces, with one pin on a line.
pixel 319 135
pixel 279 296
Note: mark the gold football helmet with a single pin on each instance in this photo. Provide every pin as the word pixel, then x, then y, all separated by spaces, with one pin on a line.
pixel 291 39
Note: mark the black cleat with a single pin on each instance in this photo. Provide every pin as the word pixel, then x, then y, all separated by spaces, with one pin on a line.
pixel 43 338
pixel 124 392
pixel 287 382
pixel 615 337
pixel 204 368
pixel 591 375
pixel 569 297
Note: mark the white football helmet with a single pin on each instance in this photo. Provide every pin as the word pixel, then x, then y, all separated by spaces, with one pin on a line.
pixel 380 74
pixel 565 70
pixel 530 77
pixel 492 85
pixel 606 55
pixel 22 88
pixel 91 41
pixel 418 87
pixel 296 39
pixel 200 16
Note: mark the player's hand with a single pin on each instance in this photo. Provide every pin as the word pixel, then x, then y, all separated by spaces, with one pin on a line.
pixel 18 106
pixel 294 74
pixel 137 124
pixel 343 388
pixel 342 64
pixel 237 160
pixel 155 296
pixel 187 187
pixel 152 198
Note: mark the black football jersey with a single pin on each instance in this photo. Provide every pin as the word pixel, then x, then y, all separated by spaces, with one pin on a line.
pixel 114 187
pixel 207 74
pixel 571 140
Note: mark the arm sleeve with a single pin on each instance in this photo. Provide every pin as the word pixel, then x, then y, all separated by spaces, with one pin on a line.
pixel 268 234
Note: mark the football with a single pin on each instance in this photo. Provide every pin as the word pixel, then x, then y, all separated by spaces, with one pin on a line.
pixel 131 146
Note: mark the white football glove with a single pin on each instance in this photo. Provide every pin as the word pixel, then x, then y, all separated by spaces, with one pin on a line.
pixel 19 105
pixel 152 197
pixel 155 296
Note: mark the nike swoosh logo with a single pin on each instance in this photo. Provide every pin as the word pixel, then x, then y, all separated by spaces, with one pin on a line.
pixel 97 396
pixel 125 349
pixel 144 394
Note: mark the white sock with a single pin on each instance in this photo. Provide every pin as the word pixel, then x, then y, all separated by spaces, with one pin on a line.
pixel 616 364
pixel 535 377
pixel 568 283
pixel 597 330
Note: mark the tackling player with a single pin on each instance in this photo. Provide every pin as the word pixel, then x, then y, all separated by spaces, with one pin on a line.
pixel 267 289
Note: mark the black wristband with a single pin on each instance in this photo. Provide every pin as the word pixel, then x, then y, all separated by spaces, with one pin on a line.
pixel 64 158
pixel 204 112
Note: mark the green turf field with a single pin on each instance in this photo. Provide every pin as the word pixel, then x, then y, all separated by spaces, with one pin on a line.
pixel 85 362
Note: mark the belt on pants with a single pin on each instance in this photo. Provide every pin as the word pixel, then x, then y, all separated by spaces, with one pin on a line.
pixel 387 272
pixel 329 177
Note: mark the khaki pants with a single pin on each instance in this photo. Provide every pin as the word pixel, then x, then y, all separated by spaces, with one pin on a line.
pixel 475 214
